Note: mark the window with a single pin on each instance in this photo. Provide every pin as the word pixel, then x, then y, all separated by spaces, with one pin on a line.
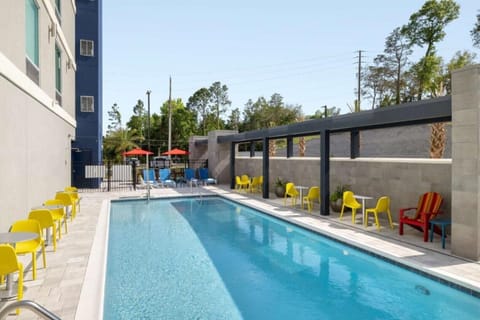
pixel 86 48
pixel 86 104
pixel 31 39
pixel 58 10
pixel 58 74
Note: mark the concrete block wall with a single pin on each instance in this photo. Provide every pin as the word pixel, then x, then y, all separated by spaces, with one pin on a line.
pixel 404 180
pixel 466 162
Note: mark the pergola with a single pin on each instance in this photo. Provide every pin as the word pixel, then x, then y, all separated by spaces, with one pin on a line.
pixel 413 113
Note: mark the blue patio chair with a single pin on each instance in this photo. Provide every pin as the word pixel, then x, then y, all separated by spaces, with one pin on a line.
pixel 149 178
pixel 190 177
pixel 203 173
pixel 165 180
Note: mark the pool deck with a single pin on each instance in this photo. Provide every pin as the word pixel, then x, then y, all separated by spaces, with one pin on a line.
pixel 58 287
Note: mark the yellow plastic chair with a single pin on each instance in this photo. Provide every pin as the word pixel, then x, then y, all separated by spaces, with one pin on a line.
pixel 9 264
pixel 30 246
pixel 239 184
pixel 58 215
pixel 349 201
pixel 74 194
pixel 68 201
pixel 45 218
pixel 292 192
pixel 256 185
pixel 245 180
pixel 313 194
pixel 383 205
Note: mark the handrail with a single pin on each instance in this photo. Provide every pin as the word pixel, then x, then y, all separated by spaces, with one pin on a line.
pixel 30 305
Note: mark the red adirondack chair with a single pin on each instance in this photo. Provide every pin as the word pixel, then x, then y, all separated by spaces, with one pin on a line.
pixel 428 207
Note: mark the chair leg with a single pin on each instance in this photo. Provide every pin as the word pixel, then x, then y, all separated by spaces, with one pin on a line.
pixel 341 211
pixel 20 286
pixel 390 219
pixel 376 220
pixel 353 215
pixel 34 265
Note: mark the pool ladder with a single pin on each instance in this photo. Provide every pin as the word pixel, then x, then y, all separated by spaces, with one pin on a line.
pixel 30 305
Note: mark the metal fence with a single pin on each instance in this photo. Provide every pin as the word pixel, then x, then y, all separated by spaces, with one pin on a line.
pixel 110 176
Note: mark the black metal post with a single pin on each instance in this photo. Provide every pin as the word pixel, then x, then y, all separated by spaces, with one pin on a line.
pixel 148 119
pixel 325 172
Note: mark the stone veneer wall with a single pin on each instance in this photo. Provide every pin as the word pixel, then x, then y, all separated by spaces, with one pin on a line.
pixel 404 180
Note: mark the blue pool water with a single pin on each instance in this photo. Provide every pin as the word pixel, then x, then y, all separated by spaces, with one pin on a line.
pixel 214 259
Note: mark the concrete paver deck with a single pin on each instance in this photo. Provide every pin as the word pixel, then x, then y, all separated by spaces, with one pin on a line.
pixel 58 287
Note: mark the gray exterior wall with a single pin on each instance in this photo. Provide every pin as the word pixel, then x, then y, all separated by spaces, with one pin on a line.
pixel 401 179
pixel 35 132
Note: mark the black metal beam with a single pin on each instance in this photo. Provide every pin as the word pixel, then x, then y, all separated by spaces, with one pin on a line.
pixel 265 169
pixel 418 112
pixel 354 143
pixel 289 146
pixel 324 172
pixel 232 165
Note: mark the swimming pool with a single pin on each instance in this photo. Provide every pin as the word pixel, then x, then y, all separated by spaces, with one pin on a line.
pixel 211 258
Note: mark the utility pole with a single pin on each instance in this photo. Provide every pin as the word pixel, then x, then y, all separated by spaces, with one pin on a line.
pixel 148 119
pixel 170 116
pixel 357 107
pixel 325 111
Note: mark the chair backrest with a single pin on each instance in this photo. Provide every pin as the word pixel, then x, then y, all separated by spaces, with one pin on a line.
pixel 429 202
pixel 245 178
pixel 203 173
pixel 43 216
pixel 27 225
pixel 290 189
pixel 71 189
pixel 189 173
pixel 314 193
pixel 383 204
pixel 238 180
pixel 65 198
pixel 256 181
pixel 164 174
pixel 149 175
pixel 9 259
pixel 349 199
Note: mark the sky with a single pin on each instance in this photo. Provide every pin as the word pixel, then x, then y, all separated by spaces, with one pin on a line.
pixel 305 50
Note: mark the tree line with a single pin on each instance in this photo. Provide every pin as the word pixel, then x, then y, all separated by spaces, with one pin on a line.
pixel 392 79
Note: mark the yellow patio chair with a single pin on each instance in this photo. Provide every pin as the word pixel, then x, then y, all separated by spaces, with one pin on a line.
pixel 9 264
pixel 292 192
pixel 45 218
pixel 313 195
pixel 58 214
pixel 240 185
pixel 246 180
pixel 383 205
pixel 256 185
pixel 68 201
pixel 349 201
pixel 30 246
pixel 74 194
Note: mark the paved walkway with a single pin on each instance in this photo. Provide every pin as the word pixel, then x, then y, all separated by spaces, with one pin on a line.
pixel 58 287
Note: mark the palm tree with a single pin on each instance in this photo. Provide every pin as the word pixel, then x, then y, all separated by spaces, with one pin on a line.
pixel 119 141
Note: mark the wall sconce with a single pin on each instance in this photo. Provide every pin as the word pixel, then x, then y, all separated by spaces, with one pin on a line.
pixel 52 29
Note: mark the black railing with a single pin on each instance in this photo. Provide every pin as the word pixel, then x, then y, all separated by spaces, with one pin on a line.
pixel 108 176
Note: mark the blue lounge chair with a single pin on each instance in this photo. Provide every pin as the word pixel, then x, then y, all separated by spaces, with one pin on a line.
pixel 190 177
pixel 149 178
pixel 165 180
pixel 203 173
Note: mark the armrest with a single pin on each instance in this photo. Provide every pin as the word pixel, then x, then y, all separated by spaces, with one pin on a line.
pixel 403 210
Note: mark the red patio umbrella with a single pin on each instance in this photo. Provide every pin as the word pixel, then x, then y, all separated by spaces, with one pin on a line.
pixel 175 152
pixel 137 152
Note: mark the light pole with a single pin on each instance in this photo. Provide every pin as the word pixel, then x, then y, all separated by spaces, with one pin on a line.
pixel 148 119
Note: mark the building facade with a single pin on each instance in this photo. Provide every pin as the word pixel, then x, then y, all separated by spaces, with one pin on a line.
pixel 37 102
pixel 87 147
